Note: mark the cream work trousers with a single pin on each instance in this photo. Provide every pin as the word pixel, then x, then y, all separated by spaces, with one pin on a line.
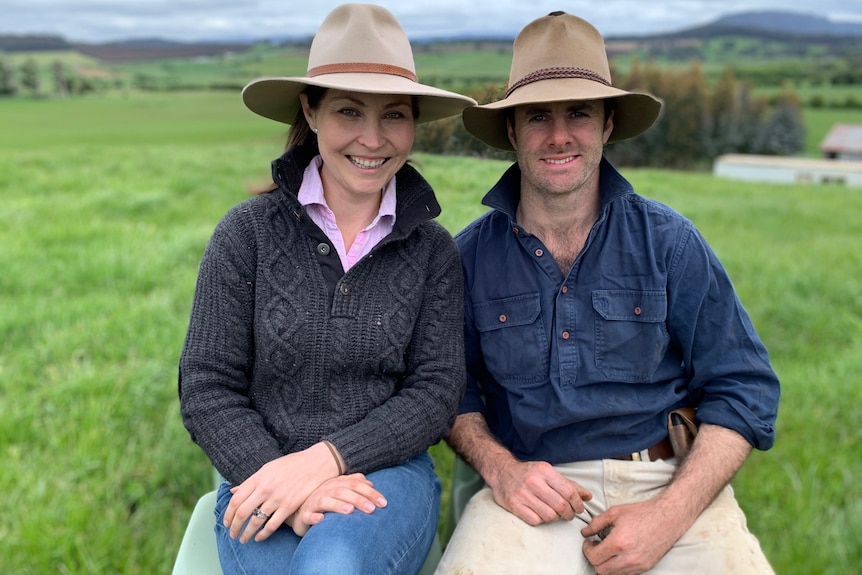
pixel 489 540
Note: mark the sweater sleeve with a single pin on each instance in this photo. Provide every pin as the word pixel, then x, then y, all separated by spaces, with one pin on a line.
pixel 423 409
pixel 216 358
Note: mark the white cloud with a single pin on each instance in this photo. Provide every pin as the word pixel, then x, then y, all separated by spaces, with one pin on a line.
pixel 102 20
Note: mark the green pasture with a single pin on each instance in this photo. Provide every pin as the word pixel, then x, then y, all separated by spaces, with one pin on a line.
pixel 769 66
pixel 201 117
pixel 107 204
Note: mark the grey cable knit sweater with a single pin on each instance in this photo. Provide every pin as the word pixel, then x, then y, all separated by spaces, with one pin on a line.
pixel 284 349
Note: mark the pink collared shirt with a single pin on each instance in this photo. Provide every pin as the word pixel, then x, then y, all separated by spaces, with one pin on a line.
pixel 311 196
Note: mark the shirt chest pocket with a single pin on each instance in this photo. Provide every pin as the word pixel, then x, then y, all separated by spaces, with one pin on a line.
pixel 631 335
pixel 513 338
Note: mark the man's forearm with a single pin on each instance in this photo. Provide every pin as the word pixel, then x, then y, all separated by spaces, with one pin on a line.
pixel 715 457
pixel 471 438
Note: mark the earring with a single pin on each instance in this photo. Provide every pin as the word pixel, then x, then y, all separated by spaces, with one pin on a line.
pixel 314 130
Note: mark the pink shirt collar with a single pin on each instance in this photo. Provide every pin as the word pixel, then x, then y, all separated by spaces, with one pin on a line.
pixel 311 196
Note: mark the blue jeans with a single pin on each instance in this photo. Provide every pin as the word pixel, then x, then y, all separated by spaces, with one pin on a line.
pixel 392 540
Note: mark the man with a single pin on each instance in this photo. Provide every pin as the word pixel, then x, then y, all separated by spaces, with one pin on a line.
pixel 591 314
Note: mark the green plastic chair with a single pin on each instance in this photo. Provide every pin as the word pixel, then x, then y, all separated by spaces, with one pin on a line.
pixel 198 554
pixel 465 483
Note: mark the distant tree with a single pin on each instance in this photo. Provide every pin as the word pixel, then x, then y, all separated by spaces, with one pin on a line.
pixel 727 114
pixel 436 137
pixel 62 85
pixel 782 132
pixel 752 110
pixel 7 79
pixel 29 76
pixel 690 125
pixel 634 79
pixel 649 148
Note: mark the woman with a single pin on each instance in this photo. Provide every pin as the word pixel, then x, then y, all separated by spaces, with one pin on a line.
pixel 325 348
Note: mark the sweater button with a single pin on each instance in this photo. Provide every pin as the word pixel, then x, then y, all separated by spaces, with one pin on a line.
pixel 344 289
pixel 323 249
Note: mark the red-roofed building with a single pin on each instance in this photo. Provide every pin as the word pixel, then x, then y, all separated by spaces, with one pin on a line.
pixel 843 142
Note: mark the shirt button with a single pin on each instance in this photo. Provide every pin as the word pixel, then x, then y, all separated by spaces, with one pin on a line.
pixel 565 289
pixel 539 253
pixel 637 311
pixel 565 335
pixel 344 289
pixel 516 230
pixel 502 318
pixel 323 249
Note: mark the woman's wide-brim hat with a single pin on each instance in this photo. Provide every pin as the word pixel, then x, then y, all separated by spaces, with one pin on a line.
pixel 359 48
pixel 559 58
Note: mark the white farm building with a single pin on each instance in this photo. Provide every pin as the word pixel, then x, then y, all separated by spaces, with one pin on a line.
pixel 788 170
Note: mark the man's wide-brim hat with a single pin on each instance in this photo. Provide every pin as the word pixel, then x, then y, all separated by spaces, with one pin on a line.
pixel 359 48
pixel 558 58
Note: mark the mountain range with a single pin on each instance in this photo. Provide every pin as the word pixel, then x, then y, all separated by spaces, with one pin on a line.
pixel 773 24
pixel 787 23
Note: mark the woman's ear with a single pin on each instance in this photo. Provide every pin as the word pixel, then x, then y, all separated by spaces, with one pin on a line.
pixel 307 111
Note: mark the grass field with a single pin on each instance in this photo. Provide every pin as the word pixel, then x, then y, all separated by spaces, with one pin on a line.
pixel 200 118
pixel 107 205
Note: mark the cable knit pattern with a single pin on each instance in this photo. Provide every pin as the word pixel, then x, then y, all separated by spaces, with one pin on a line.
pixel 284 349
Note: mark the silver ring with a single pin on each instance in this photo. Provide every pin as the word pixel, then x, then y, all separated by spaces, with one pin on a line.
pixel 260 514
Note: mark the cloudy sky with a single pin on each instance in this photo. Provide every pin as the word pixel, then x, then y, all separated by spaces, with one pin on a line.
pixel 223 20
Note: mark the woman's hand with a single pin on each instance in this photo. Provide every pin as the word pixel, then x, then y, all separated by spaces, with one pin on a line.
pixel 343 494
pixel 277 489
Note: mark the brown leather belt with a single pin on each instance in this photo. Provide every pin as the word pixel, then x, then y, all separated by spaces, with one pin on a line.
pixel 661 450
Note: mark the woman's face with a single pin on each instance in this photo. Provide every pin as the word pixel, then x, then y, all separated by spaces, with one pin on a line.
pixel 363 139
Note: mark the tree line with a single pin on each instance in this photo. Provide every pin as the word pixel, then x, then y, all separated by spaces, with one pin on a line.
pixel 699 122
pixel 28 79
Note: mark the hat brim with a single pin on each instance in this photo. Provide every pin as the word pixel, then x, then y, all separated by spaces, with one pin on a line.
pixel 278 98
pixel 634 112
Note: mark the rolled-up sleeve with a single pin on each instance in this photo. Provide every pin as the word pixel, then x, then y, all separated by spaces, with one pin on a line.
pixel 731 379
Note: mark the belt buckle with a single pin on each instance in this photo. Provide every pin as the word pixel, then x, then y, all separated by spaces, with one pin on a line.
pixel 642 455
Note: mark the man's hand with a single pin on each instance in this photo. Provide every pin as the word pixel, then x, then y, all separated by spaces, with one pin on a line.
pixel 536 492
pixel 642 533
pixel 533 491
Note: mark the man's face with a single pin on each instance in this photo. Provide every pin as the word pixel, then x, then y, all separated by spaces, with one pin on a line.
pixel 559 145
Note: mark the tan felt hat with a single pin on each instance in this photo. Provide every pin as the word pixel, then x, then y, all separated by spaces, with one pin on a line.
pixel 360 48
pixel 559 58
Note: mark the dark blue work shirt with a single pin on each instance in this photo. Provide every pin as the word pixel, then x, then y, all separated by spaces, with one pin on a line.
pixel 587 365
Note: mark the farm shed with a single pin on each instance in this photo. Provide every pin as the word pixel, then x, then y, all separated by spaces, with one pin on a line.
pixel 787 170
pixel 843 142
